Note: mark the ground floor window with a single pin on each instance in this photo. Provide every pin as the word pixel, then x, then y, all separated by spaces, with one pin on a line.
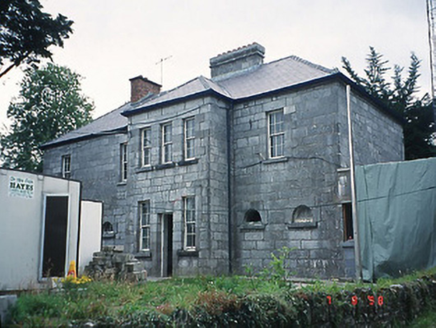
pixel 189 223
pixel 144 225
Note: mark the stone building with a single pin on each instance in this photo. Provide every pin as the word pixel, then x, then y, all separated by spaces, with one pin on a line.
pixel 219 172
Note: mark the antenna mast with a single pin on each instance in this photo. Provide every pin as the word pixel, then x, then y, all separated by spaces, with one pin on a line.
pixel 161 62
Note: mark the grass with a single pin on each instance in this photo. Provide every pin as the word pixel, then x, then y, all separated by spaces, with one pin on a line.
pixel 117 301
pixel 426 320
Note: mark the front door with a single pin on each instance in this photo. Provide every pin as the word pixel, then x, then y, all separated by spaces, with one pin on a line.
pixel 166 245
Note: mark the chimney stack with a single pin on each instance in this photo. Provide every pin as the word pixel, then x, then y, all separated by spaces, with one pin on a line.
pixel 141 86
pixel 237 61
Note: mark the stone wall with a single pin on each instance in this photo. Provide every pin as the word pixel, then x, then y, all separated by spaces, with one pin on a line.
pixel 165 187
pixel 316 146
pixel 306 175
pixel 96 163
pixel 377 137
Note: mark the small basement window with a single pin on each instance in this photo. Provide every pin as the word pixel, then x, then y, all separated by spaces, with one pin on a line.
pixel 108 230
pixel 252 216
pixel 302 218
pixel 302 214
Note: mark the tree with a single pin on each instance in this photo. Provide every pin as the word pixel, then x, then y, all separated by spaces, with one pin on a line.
pixel 50 104
pixel 400 96
pixel 26 33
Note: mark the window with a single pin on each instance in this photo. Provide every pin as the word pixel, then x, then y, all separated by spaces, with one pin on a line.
pixel 144 225
pixel 302 214
pixel 252 216
pixel 167 143
pixel 107 227
pixel 347 214
pixel 189 223
pixel 146 147
pixel 66 166
pixel 276 134
pixel 108 230
pixel 189 142
pixel 123 157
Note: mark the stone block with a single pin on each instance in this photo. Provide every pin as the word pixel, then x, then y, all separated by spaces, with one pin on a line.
pixel 6 301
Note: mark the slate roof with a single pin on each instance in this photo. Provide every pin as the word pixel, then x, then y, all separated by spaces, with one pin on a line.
pixel 105 124
pixel 276 75
pixel 268 77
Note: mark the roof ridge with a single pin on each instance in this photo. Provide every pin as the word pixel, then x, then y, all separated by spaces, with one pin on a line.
pixel 111 111
pixel 161 94
pixel 309 63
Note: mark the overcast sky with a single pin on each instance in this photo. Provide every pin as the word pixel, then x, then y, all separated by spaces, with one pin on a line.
pixel 114 40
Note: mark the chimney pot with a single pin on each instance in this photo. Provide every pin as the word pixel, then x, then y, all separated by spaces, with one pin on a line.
pixel 141 87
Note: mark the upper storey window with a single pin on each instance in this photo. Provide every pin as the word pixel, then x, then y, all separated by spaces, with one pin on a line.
pixel 189 136
pixel 123 162
pixel 167 143
pixel 66 166
pixel 146 147
pixel 276 134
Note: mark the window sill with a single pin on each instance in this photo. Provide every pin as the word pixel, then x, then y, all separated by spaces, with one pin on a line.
pixel 187 253
pixel 165 166
pixel 143 254
pixel 122 183
pixel 144 169
pixel 188 162
pixel 275 160
pixel 348 244
pixel 302 225
pixel 109 235
pixel 252 226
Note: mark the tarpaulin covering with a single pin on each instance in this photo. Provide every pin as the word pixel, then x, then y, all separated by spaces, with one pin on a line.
pixel 396 204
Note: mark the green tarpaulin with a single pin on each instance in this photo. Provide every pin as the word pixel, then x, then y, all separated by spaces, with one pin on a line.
pixel 397 217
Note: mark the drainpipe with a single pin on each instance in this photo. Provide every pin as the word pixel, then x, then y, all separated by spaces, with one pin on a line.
pixel 357 258
pixel 229 185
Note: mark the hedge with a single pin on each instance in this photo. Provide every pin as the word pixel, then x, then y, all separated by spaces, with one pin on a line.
pixel 393 306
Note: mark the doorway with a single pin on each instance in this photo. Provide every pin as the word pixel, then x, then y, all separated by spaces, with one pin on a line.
pixel 166 251
pixel 55 236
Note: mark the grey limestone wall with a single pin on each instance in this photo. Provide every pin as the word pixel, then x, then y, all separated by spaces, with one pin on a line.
pixel 377 138
pixel 96 163
pixel 165 186
pixel 306 175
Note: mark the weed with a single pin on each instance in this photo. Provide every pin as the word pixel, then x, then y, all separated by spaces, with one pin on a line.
pixel 276 269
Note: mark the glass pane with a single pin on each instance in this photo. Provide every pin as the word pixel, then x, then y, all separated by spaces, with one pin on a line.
pixel 167 153
pixel 189 128
pixel 190 228
pixel 167 133
pixel 190 242
pixel 190 148
pixel 146 156
pixel 145 238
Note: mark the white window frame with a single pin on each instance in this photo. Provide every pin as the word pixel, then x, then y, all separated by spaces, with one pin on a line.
pixel 189 223
pixel 66 166
pixel 189 138
pixel 167 143
pixel 123 162
pixel 146 147
pixel 144 225
pixel 275 135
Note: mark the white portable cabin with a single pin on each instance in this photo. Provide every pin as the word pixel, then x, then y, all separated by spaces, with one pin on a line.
pixel 40 228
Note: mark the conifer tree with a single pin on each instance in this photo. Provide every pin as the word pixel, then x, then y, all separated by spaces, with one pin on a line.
pixel 400 95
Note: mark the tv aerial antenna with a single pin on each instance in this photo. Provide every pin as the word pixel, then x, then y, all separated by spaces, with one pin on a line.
pixel 161 62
